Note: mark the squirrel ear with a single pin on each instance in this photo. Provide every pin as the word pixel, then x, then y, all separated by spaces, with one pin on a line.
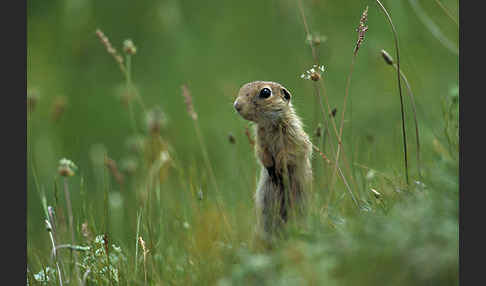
pixel 286 94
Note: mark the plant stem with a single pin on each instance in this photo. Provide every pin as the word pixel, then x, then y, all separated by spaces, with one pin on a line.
pixel 316 60
pixel 412 100
pixel 71 227
pixel 54 251
pixel 139 217
pixel 342 176
pixel 339 136
pixel 129 90
pixel 395 36
pixel 446 11
pixel 307 31
pixel 211 173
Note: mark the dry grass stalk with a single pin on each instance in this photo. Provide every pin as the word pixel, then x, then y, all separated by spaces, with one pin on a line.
pixel 188 101
pixel 50 229
pixel 192 113
pixel 110 49
pixel 145 252
pixel 318 96
pixel 362 28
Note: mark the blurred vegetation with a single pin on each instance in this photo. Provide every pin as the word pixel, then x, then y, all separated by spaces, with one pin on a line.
pixel 145 168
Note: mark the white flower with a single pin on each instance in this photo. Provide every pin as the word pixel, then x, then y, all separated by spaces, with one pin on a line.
pixel 313 73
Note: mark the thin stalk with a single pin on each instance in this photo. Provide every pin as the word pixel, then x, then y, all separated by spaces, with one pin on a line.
pixel 395 36
pixel 71 227
pixel 107 252
pixel 433 28
pixel 412 101
pixel 129 90
pixel 73 247
pixel 342 176
pixel 54 250
pixel 316 60
pixel 139 217
pixel 30 153
pixel 211 172
pixel 316 116
pixel 128 77
pixel 85 276
pixel 340 141
pixel 307 31
pixel 447 12
pixel 333 151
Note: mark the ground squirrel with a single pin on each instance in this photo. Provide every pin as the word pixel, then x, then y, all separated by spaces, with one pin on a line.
pixel 282 147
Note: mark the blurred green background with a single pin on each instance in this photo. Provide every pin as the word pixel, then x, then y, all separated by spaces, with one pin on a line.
pixel 215 47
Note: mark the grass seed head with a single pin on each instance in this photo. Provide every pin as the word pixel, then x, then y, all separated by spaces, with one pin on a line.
pixel 156 120
pixel 362 28
pixel 110 49
pixel 66 168
pixel 129 47
pixel 388 59
pixel 188 100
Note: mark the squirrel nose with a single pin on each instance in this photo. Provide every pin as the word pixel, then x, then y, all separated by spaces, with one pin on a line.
pixel 237 106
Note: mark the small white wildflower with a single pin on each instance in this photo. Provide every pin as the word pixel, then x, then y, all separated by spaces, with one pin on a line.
pixel 66 167
pixel 45 274
pixel 99 239
pixel 186 225
pixel 313 73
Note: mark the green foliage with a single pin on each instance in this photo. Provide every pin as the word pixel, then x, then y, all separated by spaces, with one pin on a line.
pixel 102 268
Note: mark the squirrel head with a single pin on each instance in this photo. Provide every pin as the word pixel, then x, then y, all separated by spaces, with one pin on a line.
pixel 262 101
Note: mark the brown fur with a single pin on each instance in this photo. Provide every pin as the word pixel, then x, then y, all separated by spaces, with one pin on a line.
pixel 283 149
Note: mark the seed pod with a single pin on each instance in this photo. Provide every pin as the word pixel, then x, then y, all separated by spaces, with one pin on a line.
pixel 388 59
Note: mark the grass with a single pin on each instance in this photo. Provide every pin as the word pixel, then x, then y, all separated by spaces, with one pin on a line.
pixel 146 209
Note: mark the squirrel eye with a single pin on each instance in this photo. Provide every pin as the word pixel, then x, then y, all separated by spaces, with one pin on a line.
pixel 265 93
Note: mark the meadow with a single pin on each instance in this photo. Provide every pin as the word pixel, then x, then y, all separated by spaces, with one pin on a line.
pixel 140 172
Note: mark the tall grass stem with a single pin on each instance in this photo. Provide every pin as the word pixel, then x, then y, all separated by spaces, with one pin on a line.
pixel 404 134
pixel 71 226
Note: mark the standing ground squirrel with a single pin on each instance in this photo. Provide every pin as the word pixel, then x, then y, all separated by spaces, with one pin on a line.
pixel 283 149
